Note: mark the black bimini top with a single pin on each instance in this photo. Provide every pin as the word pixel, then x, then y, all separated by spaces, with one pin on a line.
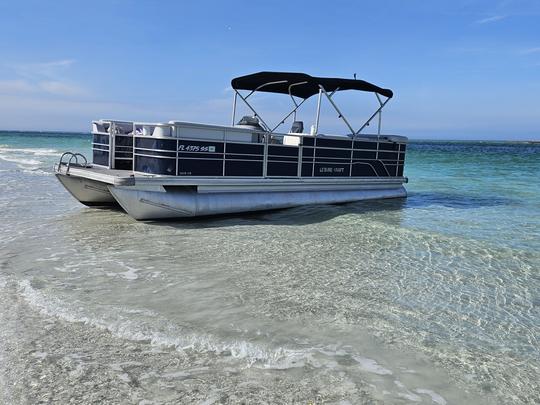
pixel 302 85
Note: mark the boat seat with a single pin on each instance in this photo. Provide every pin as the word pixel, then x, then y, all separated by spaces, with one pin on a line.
pixel 297 127
pixel 251 122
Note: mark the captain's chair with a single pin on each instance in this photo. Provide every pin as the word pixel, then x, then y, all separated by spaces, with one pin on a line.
pixel 250 122
pixel 297 127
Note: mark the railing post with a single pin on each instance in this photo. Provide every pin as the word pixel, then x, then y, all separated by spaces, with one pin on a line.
pixel 112 129
pixel 224 151
pixel 177 157
pixel 265 157
pixel 351 159
pixel 133 149
pixel 300 153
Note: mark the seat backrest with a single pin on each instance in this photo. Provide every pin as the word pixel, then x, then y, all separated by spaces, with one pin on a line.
pixel 250 121
pixel 297 127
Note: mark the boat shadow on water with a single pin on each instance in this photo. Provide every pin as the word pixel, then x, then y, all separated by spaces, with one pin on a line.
pixel 95 217
pixel 305 215
pixel 311 214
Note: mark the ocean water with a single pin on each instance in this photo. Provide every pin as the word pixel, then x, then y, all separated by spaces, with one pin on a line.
pixel 433 299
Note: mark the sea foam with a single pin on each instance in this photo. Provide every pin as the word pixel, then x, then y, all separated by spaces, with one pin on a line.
pixel 161 332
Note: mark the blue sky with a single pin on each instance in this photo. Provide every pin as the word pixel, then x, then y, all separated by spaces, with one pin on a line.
pixel 459 69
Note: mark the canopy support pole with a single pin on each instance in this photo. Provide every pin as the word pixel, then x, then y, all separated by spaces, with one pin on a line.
pixel 234 108
pixel 265 84
pixel 318 113
pixel 380 114
pixel 294 102
pixel 266 127
pixel 289 114
pixel 372 116
pixel 334 84
pixel 336 108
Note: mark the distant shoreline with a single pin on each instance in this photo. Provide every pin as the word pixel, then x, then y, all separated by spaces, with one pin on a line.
pixel 528 142
pixel 48 132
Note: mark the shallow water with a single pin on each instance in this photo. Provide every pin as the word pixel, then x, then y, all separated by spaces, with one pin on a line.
pixel 430 299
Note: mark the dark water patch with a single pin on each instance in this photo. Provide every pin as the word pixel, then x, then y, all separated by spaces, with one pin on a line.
pixel 462 201
pixel 45 134
pixel 498 148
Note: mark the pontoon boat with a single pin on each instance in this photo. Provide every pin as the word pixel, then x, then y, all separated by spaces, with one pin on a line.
pixel 183 169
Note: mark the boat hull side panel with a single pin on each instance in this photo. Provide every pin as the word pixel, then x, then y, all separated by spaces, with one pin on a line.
pixel 147 205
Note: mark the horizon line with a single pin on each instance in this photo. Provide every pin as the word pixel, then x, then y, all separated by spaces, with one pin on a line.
pixel 66 132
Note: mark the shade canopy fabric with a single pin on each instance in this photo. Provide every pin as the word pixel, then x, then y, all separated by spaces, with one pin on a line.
pixel 302 85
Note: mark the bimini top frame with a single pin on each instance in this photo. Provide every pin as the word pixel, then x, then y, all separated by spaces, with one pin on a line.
pixel 304 86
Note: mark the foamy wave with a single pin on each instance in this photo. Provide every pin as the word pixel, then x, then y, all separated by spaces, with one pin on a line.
pixel 169 336
pixel 21 160
pixel 28 159
pixel 161 332
pixel 129 274
pixel 33 151
pixel 37 172
pixel 371 366
pixel 438 399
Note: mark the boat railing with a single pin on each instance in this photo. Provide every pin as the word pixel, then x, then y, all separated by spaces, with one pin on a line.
pixel 175 147
pixel 109 127
pixel 185 131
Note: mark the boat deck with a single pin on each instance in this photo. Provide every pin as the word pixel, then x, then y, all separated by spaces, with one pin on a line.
pixel 115 177
pixel 226 184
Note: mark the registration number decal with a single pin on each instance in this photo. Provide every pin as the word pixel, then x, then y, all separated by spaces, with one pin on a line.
pixel 196 148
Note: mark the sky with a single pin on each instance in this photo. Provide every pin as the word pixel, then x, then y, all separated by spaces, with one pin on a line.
pixel 459 69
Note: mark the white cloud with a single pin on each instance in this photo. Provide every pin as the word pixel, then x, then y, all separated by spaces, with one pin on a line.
pixel 15 86
pixel 529 51
pixel 491 19
pixel 46 78
pixel 51 87
pixel 61 88
pixel 40 111
pixel 43 69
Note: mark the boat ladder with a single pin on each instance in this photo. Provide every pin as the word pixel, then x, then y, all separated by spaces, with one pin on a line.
pixel 69 159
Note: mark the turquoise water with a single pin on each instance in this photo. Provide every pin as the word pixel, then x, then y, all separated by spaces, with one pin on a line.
pixel 430 299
